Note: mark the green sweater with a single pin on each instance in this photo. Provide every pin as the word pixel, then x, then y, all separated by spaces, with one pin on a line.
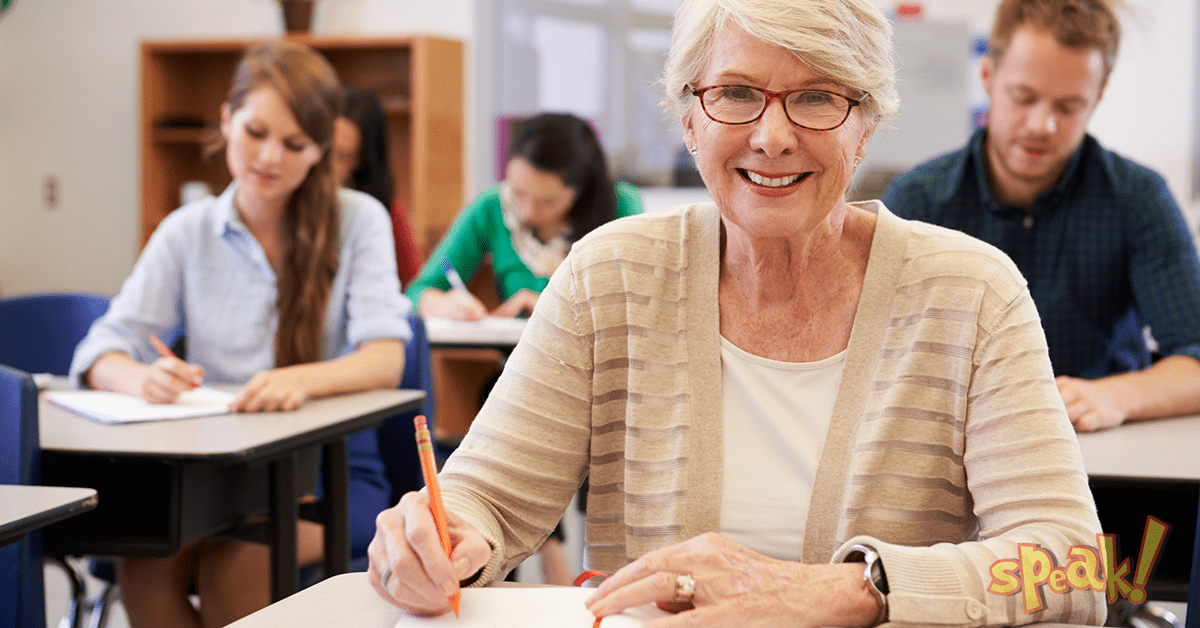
pixel 480 229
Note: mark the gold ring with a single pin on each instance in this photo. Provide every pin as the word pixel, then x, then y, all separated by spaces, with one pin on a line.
pixel 685 588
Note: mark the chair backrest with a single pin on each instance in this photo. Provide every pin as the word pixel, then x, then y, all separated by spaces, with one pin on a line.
pixel 397 437
pixel 39 332
pixel 22 588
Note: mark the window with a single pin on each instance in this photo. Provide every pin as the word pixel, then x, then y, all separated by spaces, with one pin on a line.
pixel 598 59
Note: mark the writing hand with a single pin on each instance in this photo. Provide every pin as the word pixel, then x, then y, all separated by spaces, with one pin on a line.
pixel 1089 404
pixel 520 303
pixel 167 377
pixel 279 389
pixel 456 304
pixel 422 576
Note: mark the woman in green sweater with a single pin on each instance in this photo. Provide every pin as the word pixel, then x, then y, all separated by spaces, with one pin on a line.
pixel 556 190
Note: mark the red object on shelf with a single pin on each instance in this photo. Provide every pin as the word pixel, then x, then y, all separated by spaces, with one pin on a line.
pixel 909 11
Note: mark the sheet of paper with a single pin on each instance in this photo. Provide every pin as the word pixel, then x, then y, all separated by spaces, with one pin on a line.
pixel 489 329
pixel 531 607
pixel 111 407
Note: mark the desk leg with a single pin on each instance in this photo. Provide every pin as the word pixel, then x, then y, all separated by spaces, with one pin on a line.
pixel 335 469
pixel 285 577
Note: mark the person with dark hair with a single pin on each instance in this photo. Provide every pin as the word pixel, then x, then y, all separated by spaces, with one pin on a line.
pixel 556 190
pixel 360 151
pixel 360 162
pixel 284 284
pixel 1100 239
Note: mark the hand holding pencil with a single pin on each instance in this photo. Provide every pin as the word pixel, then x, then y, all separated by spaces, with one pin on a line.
pixel 415 566
pixel 169 376
pixel 429 470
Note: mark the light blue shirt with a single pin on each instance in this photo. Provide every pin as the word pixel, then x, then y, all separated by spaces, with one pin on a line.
pixel 203 270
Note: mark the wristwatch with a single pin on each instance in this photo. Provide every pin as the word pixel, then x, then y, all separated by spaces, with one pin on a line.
pixel 873 576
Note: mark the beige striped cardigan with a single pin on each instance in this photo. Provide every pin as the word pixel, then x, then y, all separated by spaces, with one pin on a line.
pixel 948 445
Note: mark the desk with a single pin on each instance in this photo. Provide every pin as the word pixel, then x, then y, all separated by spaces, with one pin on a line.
pixel 1159 449
pixel 348 601
pixel 491 333
pixel 1149 468
pixel 465 356
pixel 24 508
pixel 165 483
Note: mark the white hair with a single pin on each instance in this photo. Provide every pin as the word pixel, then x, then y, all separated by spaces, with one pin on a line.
pixel 847 41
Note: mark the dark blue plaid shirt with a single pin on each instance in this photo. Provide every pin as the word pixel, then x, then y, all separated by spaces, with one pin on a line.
pixel 1105 251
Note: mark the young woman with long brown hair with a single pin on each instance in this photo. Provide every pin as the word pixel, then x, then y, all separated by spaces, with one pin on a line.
pixel 283 283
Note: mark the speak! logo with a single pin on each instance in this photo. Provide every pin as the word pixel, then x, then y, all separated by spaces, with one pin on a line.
pixel 1087 569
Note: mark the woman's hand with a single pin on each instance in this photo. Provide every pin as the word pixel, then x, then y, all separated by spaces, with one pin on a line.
pixel 737 587
pixel 455 304
pixel 167 377
pixel 520 303
pixel 407 547
pixel 160 382
pixel 275 390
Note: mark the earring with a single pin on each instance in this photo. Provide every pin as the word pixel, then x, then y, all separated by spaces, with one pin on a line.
pixel 857 160
pixel 694 151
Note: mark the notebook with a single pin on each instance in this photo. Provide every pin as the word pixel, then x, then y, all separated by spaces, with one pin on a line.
pixel 531 607
pixel 112 407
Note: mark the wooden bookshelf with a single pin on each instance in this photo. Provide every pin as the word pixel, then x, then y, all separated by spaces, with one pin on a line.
pixel 419 81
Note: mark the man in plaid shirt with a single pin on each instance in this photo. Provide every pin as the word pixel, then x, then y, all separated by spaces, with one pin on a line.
pixel 1099 238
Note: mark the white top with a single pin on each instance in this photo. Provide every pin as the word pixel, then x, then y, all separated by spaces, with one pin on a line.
pixel 776 415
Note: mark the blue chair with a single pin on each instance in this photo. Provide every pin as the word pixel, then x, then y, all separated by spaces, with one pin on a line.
pixel 22 586
pixel 39 332
pixel 397 436
pixel 395 441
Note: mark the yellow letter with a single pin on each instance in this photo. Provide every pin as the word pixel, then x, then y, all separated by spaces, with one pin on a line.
pixel 1084 569
pixel 1036 565
pixel 1003 580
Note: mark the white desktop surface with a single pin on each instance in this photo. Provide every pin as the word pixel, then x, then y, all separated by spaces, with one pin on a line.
pixel 347 600
pixel 25 507
pixel 489 332
pixel 1157 449
pixel 213 436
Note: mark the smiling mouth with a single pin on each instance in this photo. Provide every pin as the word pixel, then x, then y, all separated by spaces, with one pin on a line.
pixel 777 182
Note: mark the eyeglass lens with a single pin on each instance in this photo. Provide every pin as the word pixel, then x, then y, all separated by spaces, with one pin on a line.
pixel 813 109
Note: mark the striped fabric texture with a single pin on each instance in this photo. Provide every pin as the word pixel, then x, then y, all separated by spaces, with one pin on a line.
pixel 948 444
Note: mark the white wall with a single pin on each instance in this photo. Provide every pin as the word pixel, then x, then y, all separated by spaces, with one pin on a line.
pixel 69 104
pixel 68 107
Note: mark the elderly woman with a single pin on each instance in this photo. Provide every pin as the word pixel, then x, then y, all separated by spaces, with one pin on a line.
pixel 793 410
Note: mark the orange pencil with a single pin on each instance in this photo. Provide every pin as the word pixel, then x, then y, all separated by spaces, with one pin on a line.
pixel 161 347
pixel 429 470
pixel 165 351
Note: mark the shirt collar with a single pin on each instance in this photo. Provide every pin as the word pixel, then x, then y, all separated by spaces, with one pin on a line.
pixel 227 219
pixel 978 161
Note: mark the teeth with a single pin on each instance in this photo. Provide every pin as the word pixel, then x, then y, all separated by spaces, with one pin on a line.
pixel 772 183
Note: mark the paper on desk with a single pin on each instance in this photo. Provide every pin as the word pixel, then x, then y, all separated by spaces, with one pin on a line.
pixel 111 407
pixel 531 607
pixel 489 329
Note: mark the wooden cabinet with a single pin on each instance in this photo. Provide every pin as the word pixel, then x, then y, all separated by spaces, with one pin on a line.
pixel 419 81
